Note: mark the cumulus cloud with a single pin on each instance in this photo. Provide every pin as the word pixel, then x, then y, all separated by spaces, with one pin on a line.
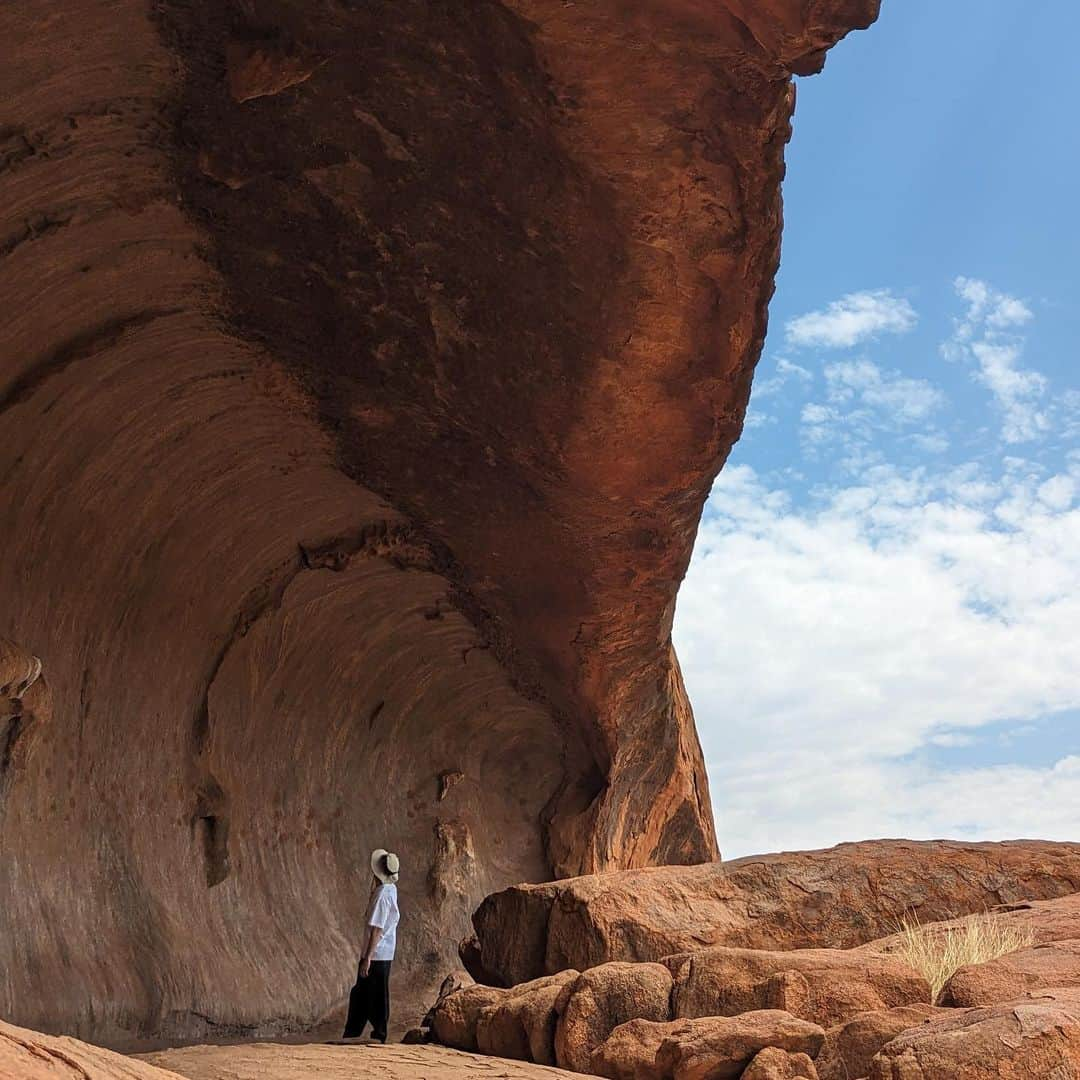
pixel 830 646
pixel 862 402
pixel 852 320
pixel 900 399
pixel 985 335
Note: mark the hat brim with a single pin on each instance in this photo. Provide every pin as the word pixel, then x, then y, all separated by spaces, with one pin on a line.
pixel 377 864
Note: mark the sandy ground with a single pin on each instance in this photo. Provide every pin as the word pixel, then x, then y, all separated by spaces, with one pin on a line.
pixel 279 1061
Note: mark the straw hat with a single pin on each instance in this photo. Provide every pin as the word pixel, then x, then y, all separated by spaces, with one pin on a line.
pixel 385 865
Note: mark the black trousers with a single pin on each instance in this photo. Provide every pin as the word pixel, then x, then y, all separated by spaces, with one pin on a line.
pixel 369 1001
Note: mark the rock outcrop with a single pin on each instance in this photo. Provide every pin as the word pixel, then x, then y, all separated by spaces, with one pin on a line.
pixel 838 898
pixel 850 1047
pixel 364 373
pixel 775 1064
pixel 1019 1040
pixel 30 1055
pixel 1024 973
pixel 715 1048
pixel 825 986
pixel 602 998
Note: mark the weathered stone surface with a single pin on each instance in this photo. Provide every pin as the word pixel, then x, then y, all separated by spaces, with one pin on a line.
pixel 31 1055
pixel 774 1064
pixel 521 1024
pixel 850 1047
pixel 837 898
pixel 1043 920
pixel 454 1017
pixel 629 1052
pixel 826 986
pixel 281 1061
pixel 1017 1040
pixel 601 999
pixel 714 1047
pixel 1019 974
pixel 367 368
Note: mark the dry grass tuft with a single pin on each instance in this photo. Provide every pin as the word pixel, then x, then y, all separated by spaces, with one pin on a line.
pixel 937 951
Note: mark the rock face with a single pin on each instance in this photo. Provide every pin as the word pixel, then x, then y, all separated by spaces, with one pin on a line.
pixel 1025 972
pixel 521 1025
pixel 30 1055
pixel 825 986
pixel 714 1048
pixel 1019 1040
pixel 837 898
pixel 850 1047
pixel 366 369
pixel 774 1064
pixel 601 999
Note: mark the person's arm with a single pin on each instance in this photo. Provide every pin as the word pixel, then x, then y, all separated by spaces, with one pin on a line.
pixel 376 926
pixel 374 933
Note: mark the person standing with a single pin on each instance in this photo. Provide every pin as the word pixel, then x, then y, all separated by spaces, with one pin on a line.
pixel 369 999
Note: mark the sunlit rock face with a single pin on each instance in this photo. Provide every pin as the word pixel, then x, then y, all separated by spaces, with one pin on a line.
pixel 365 369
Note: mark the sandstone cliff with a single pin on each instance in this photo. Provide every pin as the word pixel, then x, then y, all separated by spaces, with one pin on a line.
pixel 365 368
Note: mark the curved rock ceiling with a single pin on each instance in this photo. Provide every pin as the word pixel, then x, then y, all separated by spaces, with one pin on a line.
pixel 365 369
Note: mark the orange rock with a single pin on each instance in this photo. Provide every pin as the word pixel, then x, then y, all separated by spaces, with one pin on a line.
pixel 454 1017
pixel 1033 1039
pixel 825 986
pixel 713 1048
pixel 1024 973
pixel 774 1064
pixel 521 1024
pixel 837 898
pixel 357 424
pixel 629 1052
pixel 601 999
pixel 850 1047
pixel 31 1055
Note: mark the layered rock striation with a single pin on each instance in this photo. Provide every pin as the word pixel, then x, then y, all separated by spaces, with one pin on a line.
pixel 364 372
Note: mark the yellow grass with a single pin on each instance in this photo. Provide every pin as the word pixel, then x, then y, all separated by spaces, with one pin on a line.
pixel 938 950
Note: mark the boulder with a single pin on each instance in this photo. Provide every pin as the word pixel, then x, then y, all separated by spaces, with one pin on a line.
pixel 825 986
pixel 1018 974
pixel 455 1016
pixel 601 999
pixel 775 1064
pixel 716 1047
pixel 709 1048
pixel 629 1052
pixel 850 1047
pixel 838 898
pixel 521 1024
pixel 1033 1039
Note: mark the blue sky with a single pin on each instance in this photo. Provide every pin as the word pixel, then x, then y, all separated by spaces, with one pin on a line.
pixel 880 629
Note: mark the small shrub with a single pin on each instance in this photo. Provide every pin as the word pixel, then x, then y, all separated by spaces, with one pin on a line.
pixel 938 950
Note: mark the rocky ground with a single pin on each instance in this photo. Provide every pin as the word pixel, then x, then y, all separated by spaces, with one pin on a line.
pixel 773 968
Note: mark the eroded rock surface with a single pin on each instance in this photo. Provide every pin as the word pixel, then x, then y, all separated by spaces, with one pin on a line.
pixel 1018 1040
pixel 365 369
pixel 837 898
pixel 850 1047
pixel 825 986
pixel 1023 973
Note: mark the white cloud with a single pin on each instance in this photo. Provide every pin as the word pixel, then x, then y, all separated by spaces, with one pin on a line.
pixel 981 336
pixel 899 398
pixel 829 649
pixel 862 402
pixel 785 372
pixel 852 320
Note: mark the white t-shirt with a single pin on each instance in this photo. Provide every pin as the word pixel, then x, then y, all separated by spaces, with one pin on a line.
pixel 385 915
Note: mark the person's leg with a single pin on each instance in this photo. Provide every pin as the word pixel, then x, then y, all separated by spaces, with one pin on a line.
pixel 380 998
pixel 359 1007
